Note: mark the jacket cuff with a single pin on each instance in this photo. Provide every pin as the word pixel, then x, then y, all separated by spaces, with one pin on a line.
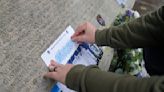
pixel 102 37
pixel 73 77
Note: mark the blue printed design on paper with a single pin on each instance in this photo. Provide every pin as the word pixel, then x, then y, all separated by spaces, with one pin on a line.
pixel 62 53
pixel 55 89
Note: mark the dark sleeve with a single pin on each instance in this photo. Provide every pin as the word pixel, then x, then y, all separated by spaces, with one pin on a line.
pixel 92 79
pixel 146 31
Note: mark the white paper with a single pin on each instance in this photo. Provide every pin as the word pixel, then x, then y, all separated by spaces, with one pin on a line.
pixel 62 49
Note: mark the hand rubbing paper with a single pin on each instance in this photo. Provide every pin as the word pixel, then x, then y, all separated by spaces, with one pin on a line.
pixel 63 50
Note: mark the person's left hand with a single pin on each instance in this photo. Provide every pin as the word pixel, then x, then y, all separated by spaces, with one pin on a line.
pixel 60 71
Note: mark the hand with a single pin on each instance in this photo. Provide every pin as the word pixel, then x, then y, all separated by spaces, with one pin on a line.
pixel 84 33
pixel 60 71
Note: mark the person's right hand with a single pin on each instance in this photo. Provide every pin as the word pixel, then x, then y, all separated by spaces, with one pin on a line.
pixel 84 33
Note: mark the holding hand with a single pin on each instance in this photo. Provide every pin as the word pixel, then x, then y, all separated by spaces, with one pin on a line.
pixel 84 33
pixel 58 71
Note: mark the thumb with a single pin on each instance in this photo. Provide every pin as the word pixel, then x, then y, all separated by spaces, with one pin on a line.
pixel 80 38
pixel 51 75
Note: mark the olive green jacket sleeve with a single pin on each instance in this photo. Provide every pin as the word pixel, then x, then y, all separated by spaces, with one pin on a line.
pixel 146 31
pixel 92 79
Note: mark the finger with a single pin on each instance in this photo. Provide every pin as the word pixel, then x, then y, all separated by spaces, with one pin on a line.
pixel 79 30
pixel 78 34
pixel 79 39
pixel 51 75
pixel 58 69
pixel 60 65
pixel 52 68
pixel 81 27
pixel 53 63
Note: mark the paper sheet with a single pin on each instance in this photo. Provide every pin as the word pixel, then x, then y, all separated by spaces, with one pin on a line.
pixel 62 49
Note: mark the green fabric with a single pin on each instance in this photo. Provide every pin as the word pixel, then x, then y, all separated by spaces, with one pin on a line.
pixel 92 79
pixel 147 31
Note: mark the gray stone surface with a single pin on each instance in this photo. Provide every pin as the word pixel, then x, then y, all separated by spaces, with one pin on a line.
pixel 28 27
pixel 105 61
